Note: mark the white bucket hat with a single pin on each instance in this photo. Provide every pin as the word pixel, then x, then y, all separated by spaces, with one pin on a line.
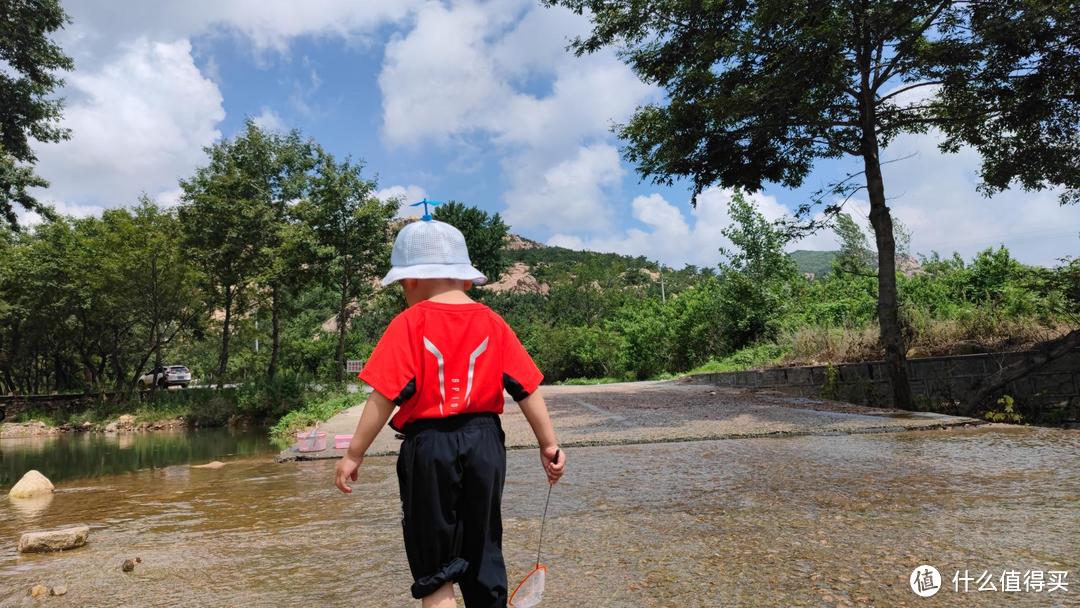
pixel 430 249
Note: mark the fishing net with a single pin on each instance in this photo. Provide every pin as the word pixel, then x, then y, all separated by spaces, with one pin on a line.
pixel 530 591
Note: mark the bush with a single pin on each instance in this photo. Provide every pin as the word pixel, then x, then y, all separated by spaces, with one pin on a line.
pixel 317 410
pixel 751 357
pixel 199 406
pixel 215 411
pixel 580 352
pixel 647 336
pixel 270 399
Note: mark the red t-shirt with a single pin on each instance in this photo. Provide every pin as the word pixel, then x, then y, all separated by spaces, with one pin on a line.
pixel 437 359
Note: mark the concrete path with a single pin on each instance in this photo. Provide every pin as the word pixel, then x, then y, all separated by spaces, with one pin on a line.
pixel 656 412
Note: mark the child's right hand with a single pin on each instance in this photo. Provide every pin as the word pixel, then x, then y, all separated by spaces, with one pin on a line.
pixel 345 470
pixel 554 461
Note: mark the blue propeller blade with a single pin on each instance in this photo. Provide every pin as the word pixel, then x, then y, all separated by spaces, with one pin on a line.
pixel 427 216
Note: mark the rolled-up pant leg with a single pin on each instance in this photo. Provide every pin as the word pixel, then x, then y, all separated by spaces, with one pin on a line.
pixel 430 479
pixel 484 585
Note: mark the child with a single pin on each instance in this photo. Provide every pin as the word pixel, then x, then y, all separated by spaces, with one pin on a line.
pixel 444 362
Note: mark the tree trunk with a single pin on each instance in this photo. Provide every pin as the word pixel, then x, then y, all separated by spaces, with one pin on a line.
pixel 275 330
pixel 880 218
pixel 116 357
pixel 223 359
pixel 342 321
pixel 1044 353
pixel 157 358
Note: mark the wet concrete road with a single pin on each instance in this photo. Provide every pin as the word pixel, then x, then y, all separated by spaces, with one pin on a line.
pixel 653 412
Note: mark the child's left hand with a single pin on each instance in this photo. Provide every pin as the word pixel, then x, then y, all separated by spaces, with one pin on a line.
pixel 345 470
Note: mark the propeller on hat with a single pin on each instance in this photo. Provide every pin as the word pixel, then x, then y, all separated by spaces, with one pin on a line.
pixel 427 216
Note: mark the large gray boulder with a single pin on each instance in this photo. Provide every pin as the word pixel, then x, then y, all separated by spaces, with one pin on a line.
pixel 32 484
pixel 54 540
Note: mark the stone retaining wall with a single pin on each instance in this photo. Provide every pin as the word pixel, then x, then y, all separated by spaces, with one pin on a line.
pixel 1051 394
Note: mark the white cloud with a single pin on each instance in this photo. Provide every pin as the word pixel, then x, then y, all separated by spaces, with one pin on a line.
pixel 266 24
pixel 139 109
pixel 439 80
pixel 671 237
pixel 475 72
pixel 571 193
pixel 29 218
pixel 138 123
pixel 407 195
pixel 935 195
pixel 269 120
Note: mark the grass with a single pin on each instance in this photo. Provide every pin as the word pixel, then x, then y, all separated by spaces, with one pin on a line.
pixel 751 357
pixel 319 409
pixel 588 381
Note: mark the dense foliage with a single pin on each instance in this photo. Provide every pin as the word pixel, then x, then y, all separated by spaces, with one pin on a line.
pixel 89 304
pixel 758 92
pixel 30 61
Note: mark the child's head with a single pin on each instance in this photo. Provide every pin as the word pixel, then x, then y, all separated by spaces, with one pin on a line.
pixel 430 255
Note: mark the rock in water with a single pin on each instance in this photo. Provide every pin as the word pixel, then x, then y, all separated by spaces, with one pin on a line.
pixel 128 565
pixel 32 484
pixel 54 540
pixel 39 591
pixel 58 590
pixel 217 464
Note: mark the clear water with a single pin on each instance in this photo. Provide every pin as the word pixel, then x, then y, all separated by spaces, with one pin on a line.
pixel 81 455
pixel 801 521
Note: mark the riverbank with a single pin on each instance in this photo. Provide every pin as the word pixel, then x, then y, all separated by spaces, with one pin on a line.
pixel 126 423
pixel 670 411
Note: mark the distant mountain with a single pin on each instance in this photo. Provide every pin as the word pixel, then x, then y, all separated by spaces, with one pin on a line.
pixel 818 263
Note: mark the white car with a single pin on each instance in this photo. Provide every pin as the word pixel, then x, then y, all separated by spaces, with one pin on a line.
pixel 164 377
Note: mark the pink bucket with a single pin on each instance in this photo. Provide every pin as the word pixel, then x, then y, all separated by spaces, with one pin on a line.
pixel 341 442
pixel 306 443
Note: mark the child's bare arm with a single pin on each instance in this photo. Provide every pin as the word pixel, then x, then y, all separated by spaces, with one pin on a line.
pixel 376 412
pixel 536 412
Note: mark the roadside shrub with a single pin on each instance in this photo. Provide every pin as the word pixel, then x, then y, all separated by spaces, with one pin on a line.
pixel 316 410
pixel 271 398
pixel 579 352
pixel 751 357
pixel 218 410
pixel 647 337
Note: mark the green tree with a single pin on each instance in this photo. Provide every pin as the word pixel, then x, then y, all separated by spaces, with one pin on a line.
pixel 43 310
pixel 225 218
pixel 278 167
pixel 30 60
pixel 157 279
pixel 485 236
pixel 855 256
pixel 352 226
pixel 756 92
pixel 756 276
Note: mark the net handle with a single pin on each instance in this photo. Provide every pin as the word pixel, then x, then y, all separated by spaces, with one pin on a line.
pixel 543 520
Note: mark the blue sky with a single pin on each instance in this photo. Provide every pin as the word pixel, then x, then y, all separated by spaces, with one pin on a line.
pixel 474 101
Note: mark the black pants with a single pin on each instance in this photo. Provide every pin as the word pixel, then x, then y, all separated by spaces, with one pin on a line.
pixel 451 473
